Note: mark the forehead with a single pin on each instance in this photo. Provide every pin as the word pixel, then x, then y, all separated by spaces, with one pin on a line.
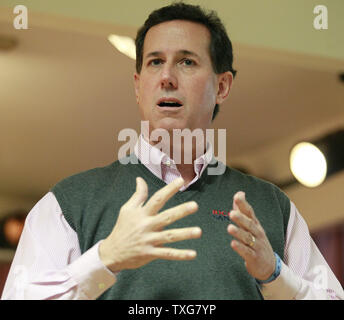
pixel 177 35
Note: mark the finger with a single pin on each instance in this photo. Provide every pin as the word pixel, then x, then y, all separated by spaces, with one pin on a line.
pixel 240 234
pixel 173 254
pixel 141 193
pixel 241 204
pixel 245 252
pixel 171 215
pixel 159 198
pixel 174 235
pixel 244 222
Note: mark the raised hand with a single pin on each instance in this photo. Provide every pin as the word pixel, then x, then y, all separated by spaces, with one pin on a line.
pixel 251 241
pixel 138 236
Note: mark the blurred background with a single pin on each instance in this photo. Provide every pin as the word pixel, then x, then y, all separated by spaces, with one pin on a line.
pixel 66 92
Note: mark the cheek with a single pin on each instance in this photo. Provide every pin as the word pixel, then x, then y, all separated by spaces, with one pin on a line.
pixel 142 96
pixel 204 92
pixel 146 98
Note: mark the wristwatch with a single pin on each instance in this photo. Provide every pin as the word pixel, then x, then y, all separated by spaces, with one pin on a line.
pixel 276 273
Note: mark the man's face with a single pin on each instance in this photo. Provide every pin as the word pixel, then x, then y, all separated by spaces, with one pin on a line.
pixel 177 87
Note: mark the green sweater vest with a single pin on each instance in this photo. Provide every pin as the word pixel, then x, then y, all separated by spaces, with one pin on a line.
pixel 91 200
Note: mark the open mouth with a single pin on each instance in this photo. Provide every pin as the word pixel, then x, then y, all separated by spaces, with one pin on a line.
pixel 170 104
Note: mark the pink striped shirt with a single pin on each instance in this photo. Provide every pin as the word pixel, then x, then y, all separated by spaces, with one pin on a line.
pixel 48 263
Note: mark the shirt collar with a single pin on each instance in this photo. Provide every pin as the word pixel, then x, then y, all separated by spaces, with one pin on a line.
pixel 153 158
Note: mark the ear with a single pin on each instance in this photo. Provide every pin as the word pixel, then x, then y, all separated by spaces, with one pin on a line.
pixel 225 81
pixel 137 85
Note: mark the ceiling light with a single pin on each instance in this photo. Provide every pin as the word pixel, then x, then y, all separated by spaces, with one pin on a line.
pixel 125 45
pixel 312 162
pixel 308 164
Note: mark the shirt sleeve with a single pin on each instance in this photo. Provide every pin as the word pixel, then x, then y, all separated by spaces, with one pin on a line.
pixel 48 263
pixel 305 274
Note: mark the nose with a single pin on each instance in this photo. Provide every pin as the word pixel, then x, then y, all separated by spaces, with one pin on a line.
pixel 168 78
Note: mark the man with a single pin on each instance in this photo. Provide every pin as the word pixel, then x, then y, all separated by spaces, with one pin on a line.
pixel 86 240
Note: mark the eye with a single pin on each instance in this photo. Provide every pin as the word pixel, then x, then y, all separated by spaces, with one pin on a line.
pixel 188 62
pixel 155 62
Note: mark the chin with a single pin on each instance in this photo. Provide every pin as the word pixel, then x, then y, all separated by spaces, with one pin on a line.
pixel 169 124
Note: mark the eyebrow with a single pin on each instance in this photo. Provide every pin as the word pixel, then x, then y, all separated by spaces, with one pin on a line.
pixel 183 52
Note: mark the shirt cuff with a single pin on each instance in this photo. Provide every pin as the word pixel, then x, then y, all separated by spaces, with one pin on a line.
pixel 284 287
pixel 91 275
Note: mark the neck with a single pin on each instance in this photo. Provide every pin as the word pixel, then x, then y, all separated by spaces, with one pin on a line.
pixel 187 171
pixel 183 149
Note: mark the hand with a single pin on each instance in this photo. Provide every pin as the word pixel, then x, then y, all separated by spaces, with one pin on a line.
pixel 256 251
pixel 137 238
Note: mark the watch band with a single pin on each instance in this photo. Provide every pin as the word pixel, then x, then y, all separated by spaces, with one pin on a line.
pixel 276 273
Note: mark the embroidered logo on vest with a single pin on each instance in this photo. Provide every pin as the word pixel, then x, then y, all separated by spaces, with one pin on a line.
pixel 221 214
